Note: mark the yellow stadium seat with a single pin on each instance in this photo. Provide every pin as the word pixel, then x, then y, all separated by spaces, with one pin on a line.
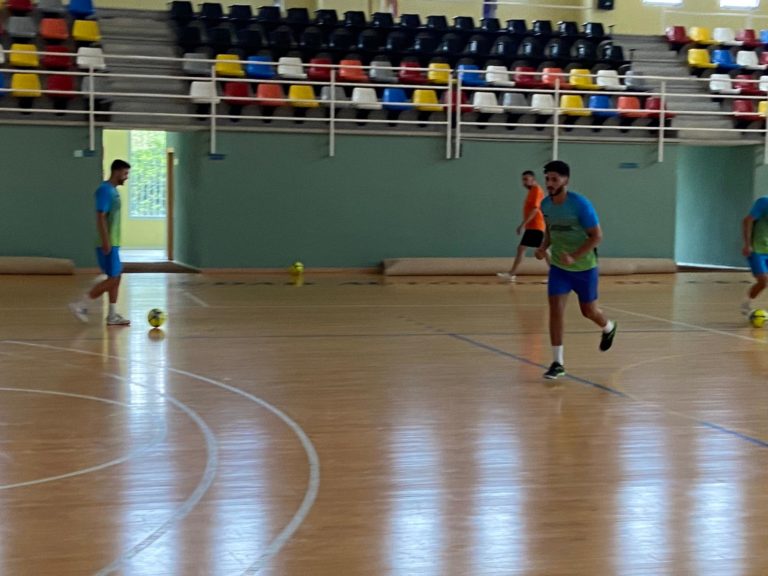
pixel 439 73
pixel 24 56
pixel 86 31
pixel 762 108
pixel 581 79
pixel 302 96
pixel 701 35
pixel 229 65
pixel 699 58
pixel 573 105
pixel 25 86
pixel 426 101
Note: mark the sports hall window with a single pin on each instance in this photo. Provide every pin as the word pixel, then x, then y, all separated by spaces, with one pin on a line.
pixel 664 2
pixel 739 3
pixel 146 187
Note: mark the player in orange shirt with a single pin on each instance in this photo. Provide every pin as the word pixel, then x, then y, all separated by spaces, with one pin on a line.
pixel 533 223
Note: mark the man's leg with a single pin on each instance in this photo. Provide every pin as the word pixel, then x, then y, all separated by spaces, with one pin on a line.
pixel 759 265
pixel 586 289
pixel 518 259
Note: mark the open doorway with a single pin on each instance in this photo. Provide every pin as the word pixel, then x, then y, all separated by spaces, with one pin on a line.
pixel 145 197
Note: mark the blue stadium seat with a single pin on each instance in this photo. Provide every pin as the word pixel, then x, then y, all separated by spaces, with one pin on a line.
pixel 258 67
pixel 724 60
pixel 81 8
pixel 601 105
pixel 395 100
pixel 471 75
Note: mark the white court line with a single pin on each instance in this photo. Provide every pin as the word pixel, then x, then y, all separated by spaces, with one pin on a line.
pixel 196 299
pixel 686 324
pixel 313 484
pixel 156 441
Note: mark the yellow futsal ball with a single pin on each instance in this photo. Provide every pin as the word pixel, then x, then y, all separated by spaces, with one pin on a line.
pixel 156 317
pixel 758 318
pixel 297 268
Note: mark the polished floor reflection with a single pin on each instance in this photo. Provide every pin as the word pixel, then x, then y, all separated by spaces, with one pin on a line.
pixel 366 426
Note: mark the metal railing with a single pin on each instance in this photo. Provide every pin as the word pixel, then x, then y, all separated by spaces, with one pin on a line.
pixel 456 120
pixel 747 17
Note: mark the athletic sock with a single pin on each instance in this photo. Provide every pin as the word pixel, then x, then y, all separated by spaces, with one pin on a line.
pixel 557 354
pixel 608 327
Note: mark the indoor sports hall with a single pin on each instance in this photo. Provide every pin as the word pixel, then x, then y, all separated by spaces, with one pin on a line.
pixel 327 371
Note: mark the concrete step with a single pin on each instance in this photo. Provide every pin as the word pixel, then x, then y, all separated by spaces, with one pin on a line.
pixel 148 86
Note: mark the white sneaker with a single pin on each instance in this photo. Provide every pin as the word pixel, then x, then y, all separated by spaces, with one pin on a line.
pixel 746 309
pixel 117 320
pixel 79 311
pixel 506 276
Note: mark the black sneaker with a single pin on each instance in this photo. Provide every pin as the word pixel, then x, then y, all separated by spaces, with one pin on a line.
pixel 606 340
pixel 555 371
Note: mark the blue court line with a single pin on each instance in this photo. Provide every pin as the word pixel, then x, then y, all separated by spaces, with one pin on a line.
pixel 614 391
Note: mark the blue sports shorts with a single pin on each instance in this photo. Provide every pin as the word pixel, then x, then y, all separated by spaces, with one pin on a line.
pixel 110 264
pixel 758 263
pixel 563 282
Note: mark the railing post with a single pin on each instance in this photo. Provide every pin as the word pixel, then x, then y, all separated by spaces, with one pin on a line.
pixel 91 110
pixel 457 150
pixel 448 120
pixel 214 103
pixel 765 140
pixel 662 119
pixel 332 123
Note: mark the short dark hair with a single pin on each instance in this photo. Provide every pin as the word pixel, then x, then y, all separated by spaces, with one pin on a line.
pixel 119 165
pixel 559 167
pixel 529 173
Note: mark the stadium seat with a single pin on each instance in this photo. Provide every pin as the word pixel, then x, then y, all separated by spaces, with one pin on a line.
pixel 58 58
pixel 268 16
pixel 365 99
pixel 203 92
pixel 339 96
pixel 16 7
pixel 698 59
pixel 748 38
pixel 515 103
pixel 746 85
pixel 498 76
pixel 762 108
pixel 464 24
pixel 382 21
pixel 630 107
pixel 81 8
pixel 581 79
pixel 490 25
pixel 531 49
pixel 395 100
pixel 426 101
pixel 189 38
pixel 470 75
pixel 311 41
pixel 612 54
pixel 259 68
pixel 291 67
pixel 297 18
pixel 764 36
pixel 23 56
pixel 677 37
pixel 51 8
pixel 211 13
pixel 368 42
pixel 504 48
pixel 543 104
pixel 748 59
pixel 326 18
pixel 219 38
pixel 319 69
pixel 397 43
pixel 21 28
pixel 340 41
pixel 517 27
pixel 723 60
pixel 653 108
pixel 60 89
pixel 552 77
pixel 424 44
pixel 541 28
pixel 249 40
pixel 351 70
pixel 180 11
pixel 410 73
pixel 270 95
pixel 86 31
pixel 439 73
pixel 568 29
pixel 437 22
pixel 228 66
pixel 194 64
pixel 280 41
pixel 241 15
pixel 763 85
pixel 609 80
pixel 302 96
pixel 237 95
pixel 25 86
pixel 410 21
pixel 54 29
pixel 722 84
pixel 355 19
pixel 381 72
pixel 725 37
pixel 486 103
pixel 527 77
pixel 600 106
pixel 701 36
pixel 573 105
pixel 634 81
pixel 744 111
pixel 450 46
pixel 89 57
pixel 477 46
pixel 594 31
pixel 454 103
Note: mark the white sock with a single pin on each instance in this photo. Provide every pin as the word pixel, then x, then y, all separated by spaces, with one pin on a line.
pixel 608 327
pixel 557 354
pixel 112 310
pixel 749 304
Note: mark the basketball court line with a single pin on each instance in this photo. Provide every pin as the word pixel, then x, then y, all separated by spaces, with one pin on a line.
pixel 157 439
pixel 196 299
pixel 313 484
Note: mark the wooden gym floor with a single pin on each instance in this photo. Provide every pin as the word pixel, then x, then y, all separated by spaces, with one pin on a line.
pixel 368 426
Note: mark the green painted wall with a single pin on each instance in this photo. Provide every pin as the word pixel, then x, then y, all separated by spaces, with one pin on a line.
pixel 715 189
pixel 46 202
pixel 277 198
